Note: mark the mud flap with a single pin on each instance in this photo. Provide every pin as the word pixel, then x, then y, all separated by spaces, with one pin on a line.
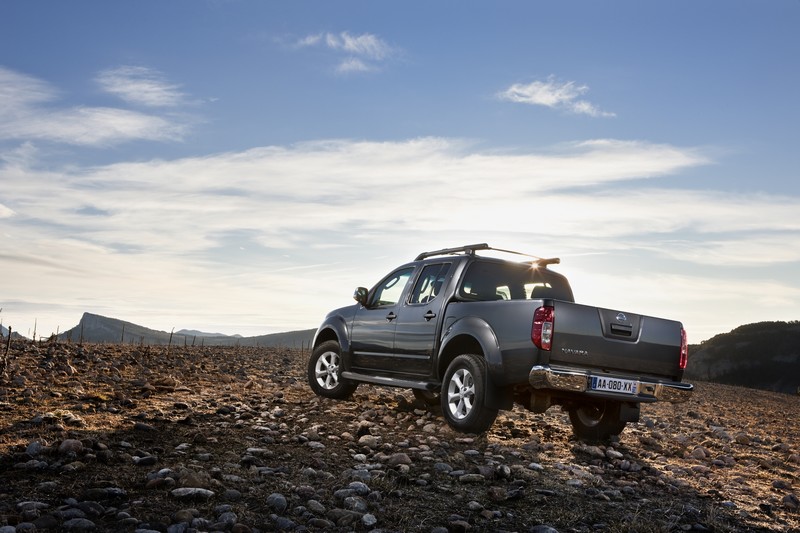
pixel 629 412
pixel 498 397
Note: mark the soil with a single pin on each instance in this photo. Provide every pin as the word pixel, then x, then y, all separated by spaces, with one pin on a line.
pixel 179 439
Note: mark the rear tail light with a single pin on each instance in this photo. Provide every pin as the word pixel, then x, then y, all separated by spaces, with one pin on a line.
pixel 542 330
pixel 684 351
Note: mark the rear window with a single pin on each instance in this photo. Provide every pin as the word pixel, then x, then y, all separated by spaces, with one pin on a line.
pixel 488 281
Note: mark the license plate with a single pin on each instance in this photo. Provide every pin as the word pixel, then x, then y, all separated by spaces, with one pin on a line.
pixel 624 386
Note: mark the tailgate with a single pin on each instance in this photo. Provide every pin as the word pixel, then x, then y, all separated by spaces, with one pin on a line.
pixel 615 341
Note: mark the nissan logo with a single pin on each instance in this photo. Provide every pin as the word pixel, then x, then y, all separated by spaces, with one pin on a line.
pixel 621 317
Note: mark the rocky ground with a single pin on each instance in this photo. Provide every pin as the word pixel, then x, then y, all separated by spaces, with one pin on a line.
pixel 131 438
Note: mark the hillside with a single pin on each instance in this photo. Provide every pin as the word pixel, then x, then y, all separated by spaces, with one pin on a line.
pixel 100 329
pixel 764 355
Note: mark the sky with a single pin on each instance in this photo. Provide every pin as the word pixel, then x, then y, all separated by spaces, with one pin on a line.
pixel 241 166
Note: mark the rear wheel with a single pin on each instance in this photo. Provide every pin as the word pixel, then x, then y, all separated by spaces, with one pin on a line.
pixel 463 395
pixel 324 369
pixel 596 421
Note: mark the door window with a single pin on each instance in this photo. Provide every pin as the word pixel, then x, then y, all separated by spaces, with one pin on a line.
pixel 429 283
pixel 390 290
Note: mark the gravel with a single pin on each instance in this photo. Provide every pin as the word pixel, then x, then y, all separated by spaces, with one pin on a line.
pixel 189 439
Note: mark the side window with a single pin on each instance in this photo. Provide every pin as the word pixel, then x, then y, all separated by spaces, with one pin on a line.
pixel 429 283
pixel 390 289
pixel 484 282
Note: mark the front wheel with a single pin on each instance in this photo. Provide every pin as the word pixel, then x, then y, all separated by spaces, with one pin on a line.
pixel 463 396
pixel 324 368
pixel 596 421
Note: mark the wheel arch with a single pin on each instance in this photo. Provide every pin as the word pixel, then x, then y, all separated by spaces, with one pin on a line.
pixel 333 329
pixel 475 335
pixel 469 335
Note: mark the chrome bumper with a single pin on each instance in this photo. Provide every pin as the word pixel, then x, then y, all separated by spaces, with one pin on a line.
pixel 545 377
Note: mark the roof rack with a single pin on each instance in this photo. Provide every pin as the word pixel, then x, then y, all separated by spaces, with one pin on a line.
pixel 470 249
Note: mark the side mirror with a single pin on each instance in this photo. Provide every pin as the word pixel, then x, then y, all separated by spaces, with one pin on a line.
pixel 361 295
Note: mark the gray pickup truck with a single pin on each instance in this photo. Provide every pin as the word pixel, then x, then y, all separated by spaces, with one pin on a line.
pixel 476 333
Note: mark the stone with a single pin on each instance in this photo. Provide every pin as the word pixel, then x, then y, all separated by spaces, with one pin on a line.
pixel 370 441
pixel 79 524
pixel 34 448
pixel 543 529
pixel 399 459
pixel 148 460
pixel 781 484
pixel 277 502
pixel 70 446
pixel 699 453
pixel 790 501
pixel 498 494
pixel 192 493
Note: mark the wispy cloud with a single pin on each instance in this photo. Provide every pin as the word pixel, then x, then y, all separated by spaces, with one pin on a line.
pixel 362 52
pixel 180 242
pixel 18 90
pixel 554 94
pixel 364 45
pixel 29 111
pixel 141 85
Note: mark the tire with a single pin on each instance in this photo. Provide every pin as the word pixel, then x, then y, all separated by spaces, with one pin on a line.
pixel 596 421
pixel 463 397
pixel 324 367
pixel 427 397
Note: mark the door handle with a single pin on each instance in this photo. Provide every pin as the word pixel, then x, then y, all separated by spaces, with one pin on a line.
pixel 429 315
pixel 391 316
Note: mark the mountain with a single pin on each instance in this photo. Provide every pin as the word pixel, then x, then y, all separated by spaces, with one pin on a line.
pixel 764 355
pixel 196 333
pixel 4 333
pixel 97 328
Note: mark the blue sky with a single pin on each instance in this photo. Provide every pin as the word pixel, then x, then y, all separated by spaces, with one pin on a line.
pixel 242 166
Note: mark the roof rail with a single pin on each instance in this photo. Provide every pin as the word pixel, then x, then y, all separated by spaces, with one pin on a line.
pixel 472 248
pixel 469 249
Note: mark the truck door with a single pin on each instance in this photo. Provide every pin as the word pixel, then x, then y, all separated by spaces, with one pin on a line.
pixel 418 320
pixel 372 337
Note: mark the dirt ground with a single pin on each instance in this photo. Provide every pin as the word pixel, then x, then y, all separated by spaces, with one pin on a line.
pixel 127 438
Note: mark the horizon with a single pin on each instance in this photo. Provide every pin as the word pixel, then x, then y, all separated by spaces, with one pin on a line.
pixel 187 330
pixel 242 166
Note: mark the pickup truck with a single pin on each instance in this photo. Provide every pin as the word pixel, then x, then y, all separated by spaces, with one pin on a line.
pixel 476 333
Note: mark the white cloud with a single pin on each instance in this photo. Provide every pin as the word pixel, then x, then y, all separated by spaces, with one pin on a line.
pixel 353 64
pixel 252 230
pixel 20 91
pixel 364 45
pixel 554 94
pixel 91 126
pixel 29 112
pixel 362 52
pixel 140 85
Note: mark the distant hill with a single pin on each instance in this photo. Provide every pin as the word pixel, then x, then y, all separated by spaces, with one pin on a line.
pixel 97 328
pixel 196 333
pixel 4 333
pixel 764 355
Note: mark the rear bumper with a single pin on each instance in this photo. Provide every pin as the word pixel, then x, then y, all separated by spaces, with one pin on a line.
pixel 577 381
